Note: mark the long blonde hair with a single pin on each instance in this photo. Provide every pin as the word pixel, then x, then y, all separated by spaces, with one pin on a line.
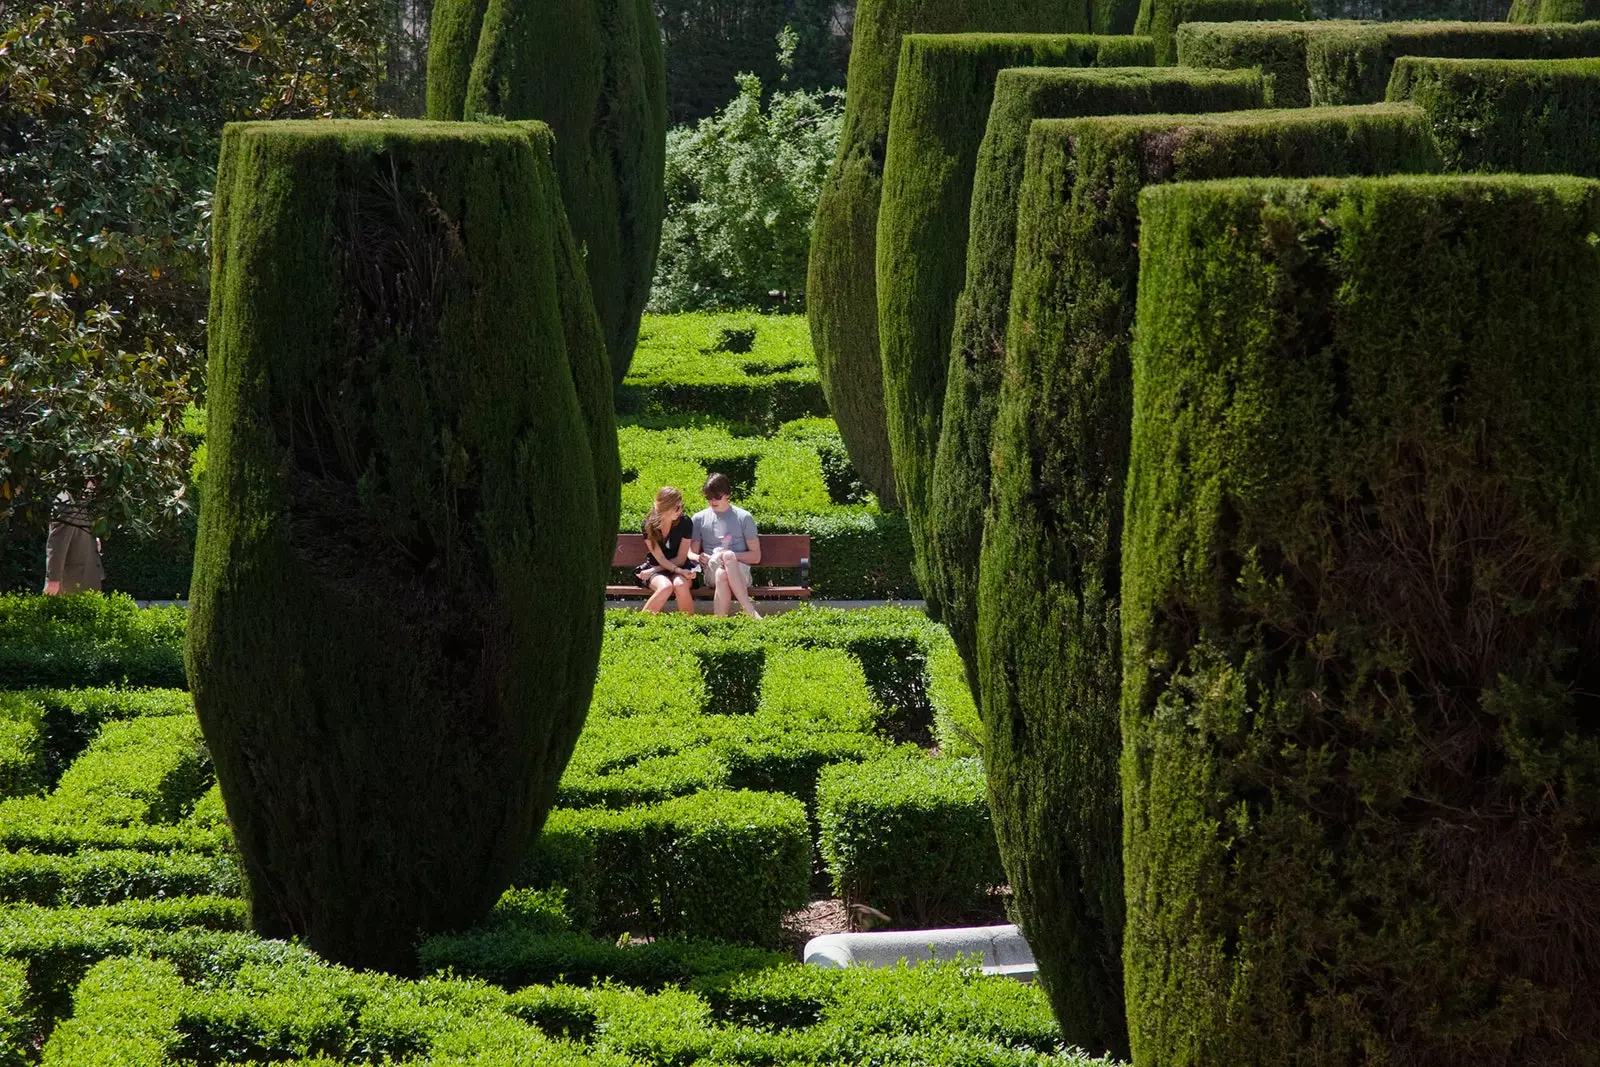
pixel 667 498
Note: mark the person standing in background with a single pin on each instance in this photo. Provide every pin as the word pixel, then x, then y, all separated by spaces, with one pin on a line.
pixel 72 551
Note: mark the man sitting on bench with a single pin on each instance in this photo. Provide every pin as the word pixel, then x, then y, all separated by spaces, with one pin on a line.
pixel 725 543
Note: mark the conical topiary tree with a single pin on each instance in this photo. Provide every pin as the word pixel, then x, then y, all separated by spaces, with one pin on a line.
pixel 1361 620
pixel 1049 662
pixel 593 70
pixel 841 285
pixel 960 478
pixel 941 105
pixel 396 610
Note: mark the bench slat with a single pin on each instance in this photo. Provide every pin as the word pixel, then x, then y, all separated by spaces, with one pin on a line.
pixel 777 550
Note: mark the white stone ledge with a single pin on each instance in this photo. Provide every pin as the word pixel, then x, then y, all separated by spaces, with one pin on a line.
pixel 1001 949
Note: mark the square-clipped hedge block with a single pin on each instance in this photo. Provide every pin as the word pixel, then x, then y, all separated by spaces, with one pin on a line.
pixel 1161 18
pixel 732 670
pixel 89 639
pixel 1340 63
pixel 1519 116
pixel 125 1011
pixel 1049 668
pixel 909 836
pixel 713 864
pixel 960 490
pixel 943 92
pixel 744 367
pixel 1361 750
pixel 109 877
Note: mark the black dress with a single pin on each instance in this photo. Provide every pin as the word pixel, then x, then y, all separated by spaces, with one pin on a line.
pixel 682 530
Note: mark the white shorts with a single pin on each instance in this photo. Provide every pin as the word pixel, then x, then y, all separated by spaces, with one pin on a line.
pixel 716 565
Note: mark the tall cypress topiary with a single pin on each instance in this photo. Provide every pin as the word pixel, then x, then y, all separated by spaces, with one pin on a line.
pixel 396 611
pixel 1160 19
pixel 593 70
pixel 960 478
pixel 1362 624
pixel 1048 650
pixel 941 104
pixel 841 280
pixel 1553 11
pixel 1522 116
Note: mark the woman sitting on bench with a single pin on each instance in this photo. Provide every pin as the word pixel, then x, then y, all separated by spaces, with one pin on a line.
pixel 668 570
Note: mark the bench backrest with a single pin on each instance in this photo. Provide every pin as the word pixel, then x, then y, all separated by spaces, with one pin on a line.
pixel 777 550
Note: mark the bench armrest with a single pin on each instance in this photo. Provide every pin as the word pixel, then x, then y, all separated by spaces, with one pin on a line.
pixel 805 570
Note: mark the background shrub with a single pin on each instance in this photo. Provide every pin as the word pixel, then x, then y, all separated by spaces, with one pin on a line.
pixel 909 836
pixel 88 640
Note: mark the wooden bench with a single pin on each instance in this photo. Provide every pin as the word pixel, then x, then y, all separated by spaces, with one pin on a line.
pixel 788 551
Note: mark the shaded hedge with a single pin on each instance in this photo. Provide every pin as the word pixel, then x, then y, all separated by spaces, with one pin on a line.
pixel 1160 19
pixel 1332 63
pixel 1048 626
pixel 841 279
pixel 375 613
pixel 1520 116
pixel 960 478
pixel 1362 745
pixel 594 72
pixel 942 96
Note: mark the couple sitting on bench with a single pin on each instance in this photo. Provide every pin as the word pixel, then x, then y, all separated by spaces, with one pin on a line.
pixel 719 543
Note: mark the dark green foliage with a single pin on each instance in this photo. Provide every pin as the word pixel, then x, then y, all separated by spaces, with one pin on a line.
pixel 593 71
pixel 909 836
pixel 16 1019
pixel 1520 116
pixel 377 610
pixel 732 671
pixel 72 717
pixel 960 480
pixel 841 286
pixel 88 640
pixel 1049 575
pixel 1160 19
pixel 1361 744
pixel 1553 11
pixel 724 864
pixel 1323 63
pixel 942 96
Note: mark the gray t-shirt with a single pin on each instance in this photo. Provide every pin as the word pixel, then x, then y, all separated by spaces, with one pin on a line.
pixel 733 529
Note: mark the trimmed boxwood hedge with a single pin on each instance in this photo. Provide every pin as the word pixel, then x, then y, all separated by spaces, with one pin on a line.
pixel 88 640
pixel 1160 19
pixel 841 278
pixel 1521 116
pixel 960 478
pixel 1048 663
pixel 1334 62
pixel 942 97
pixel 910 836
pixel 394 415
pixel 594 72
pixel 1362 752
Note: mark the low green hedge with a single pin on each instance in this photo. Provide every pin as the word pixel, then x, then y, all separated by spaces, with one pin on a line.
pixel 72 717
pixel 88 640
pixel 1339 63
pixel 22 746
pixel 514 955
pixel 1520 116
pixel 741 366
pixel 712 864
pixel 90 877
pixel 910 837
pixel 125 1015
pixel 16 1018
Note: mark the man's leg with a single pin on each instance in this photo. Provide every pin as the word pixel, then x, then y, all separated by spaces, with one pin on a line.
pixel 735 572
pixel 721 599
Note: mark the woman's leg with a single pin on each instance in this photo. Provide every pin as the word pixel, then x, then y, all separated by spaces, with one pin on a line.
pixel 736 583
pixel 681 587
pixel 660 589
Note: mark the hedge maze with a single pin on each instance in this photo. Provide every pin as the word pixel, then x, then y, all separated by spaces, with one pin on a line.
pixel 1263 813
